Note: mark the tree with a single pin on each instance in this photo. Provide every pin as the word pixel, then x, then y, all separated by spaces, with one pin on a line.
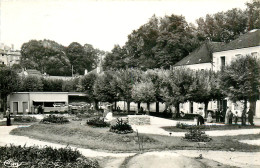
pixel 222 26
pixel 105 87
pixel 32 84
pixel 176 40
pixel 82 57
pixel 253 14
pixel 176 86
pixel 86 85
pixel 9 82
pixel 205 87
pixel 240 80
pixel 125 80
pixel 50 85
pixel 143 92
pixel 115 59
pixel 45 56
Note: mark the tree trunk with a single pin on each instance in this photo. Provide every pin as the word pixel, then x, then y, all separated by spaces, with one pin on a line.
pixel 244 113
pixel 157 107
pixel 138 106
pixel 206 103
pixel 148 109
pixel 177 107
pixel 253 106
pixel 128 106
pixel 115 106
pixel 96 105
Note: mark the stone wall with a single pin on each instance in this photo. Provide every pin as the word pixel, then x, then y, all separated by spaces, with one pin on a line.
pixel 139 120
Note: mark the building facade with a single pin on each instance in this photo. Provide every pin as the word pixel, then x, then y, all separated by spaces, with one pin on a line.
pixel 216 57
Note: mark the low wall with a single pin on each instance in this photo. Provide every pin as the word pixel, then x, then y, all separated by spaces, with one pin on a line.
pixel 139 119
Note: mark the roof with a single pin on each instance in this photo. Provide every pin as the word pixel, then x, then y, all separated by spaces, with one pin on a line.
pixel 33 72
pixel 249 39
pixel 203 54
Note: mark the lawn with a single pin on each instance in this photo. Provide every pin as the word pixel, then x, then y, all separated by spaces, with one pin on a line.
pixel 78 134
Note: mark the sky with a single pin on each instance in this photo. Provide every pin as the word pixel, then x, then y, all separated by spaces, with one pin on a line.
pixel 97 22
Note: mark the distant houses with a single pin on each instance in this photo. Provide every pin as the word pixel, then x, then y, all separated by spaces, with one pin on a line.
pixel 214 56
pixel 9 56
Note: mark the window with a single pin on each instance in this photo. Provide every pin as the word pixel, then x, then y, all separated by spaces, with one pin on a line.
pixel 223 62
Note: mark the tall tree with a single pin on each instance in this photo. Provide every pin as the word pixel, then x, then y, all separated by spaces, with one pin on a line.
pixel 222 26
pixel 32 84
pixel 240 80
pixel 253 14
pixel 9 82
pixel 45 56
pixel 205 87
pixel 86 85
pixel 176 87
pixel 105 88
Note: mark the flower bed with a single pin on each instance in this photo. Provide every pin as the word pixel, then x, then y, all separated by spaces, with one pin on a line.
pixel 54 119
pixel 24 119
pixel 121 127
pixel 98 122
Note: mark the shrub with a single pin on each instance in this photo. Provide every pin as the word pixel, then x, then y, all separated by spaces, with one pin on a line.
pixel 54 119
pixel 24 119
pixel 182 125
pixel 98 122
pixel 121 127
pixel 196 135
pixel 46 157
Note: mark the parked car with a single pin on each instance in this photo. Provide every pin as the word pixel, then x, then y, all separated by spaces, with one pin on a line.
pixel 58 105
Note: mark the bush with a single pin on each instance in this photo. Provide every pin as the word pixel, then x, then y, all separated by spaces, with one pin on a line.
pixel 46 157
pixel 54 119
pixel 121 127
pixel 182 125
pixel 196 135
pixel 98 122
pixel 24 119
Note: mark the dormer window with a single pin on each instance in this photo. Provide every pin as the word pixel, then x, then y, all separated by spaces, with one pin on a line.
pixel 238 55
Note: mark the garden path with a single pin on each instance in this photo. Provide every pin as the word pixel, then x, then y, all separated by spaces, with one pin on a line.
pixel 157 123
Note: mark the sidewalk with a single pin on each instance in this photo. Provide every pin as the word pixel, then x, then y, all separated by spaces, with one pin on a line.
pixel 157 123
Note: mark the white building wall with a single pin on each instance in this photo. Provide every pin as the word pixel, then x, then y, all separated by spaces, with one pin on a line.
pixel 232 55
pixel 205 66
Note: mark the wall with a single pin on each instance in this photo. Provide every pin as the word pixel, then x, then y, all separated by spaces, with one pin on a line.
pixel 231 55
pixel 20 98
pixel 205 66
pixel 29 97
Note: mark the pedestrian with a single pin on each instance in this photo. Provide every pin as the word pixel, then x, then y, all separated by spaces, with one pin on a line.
pixel 40 109
pixel 217 115
pixel 209 119
pixel 8 117
pixel 236 117
pixel 230 117
pixel 227 115
pixel 221 116
pixel 36 109
pixel 200 120
pixel 243 117
pixel 250 117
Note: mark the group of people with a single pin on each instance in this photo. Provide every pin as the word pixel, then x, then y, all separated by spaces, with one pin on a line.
pixel 39 109
pixel 230 116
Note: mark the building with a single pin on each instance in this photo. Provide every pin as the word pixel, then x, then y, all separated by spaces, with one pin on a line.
pixel 9 56
pixel 214 56
pixel 22 102
pixel 201 58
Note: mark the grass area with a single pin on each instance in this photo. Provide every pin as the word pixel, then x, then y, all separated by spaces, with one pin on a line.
pixel 208 127
pixel 77 133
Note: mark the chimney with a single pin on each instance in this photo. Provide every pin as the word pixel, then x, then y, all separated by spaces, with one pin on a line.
pixel 12 47
pixel 86 72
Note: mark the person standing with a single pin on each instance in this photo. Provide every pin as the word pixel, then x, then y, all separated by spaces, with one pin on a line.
pixel 8 117
pixel 250 117
pixel 230 117
pixel 217 115
pixel 236 117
